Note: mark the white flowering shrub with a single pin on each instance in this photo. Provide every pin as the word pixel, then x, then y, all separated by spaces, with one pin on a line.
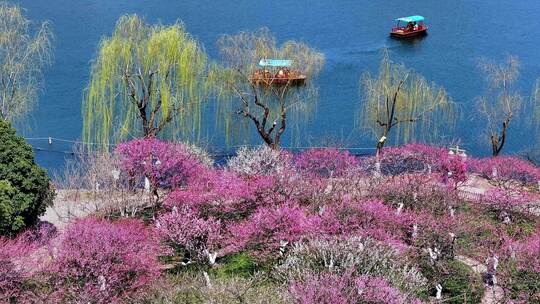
pixel 202 155
pixel 365 255
pixel 260 160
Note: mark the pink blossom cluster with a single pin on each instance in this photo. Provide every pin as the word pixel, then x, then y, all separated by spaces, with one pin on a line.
pixel 325 163
pixel 263 214
pixel 420 158
pixel 329 288
pixel 270 209
pixel 510 200
pixel 16 268
pixel 526 252
pixel 222 194
pixel 99 261
pixel 271 228
pixel 419 192
pixel 367 218
pixel 184 227
pixel 504 169
pixel 91 261
pixel 164 164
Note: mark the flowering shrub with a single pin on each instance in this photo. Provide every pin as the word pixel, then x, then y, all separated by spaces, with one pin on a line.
pixel 222 194
pixel 200 154
pixel 165 164
pixel 325 288
pixel 519 270
pixel 329 288
pixel 270 230
pixel 453 169
pixel 262 160
pixel 368 218
pixel 508 201
pixel 526 253
pixel 418 192
pixel 504 170
pixel 377 290
pixel 325 162
pixel 16 269
pixel 184 228
pixel 103 262
pixel 360 254
pixel 413 158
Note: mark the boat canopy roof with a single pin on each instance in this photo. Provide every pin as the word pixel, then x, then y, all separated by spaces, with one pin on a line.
pixel 415 18
pixel 275 63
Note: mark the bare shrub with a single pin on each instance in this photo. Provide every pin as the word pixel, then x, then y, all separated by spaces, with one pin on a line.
pixel 93 183
pixel 196 288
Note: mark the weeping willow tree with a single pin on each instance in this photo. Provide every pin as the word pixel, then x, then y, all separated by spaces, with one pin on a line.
pixel 268 106
pixel 24 51
pixel 147 80
pixel 501 103
pixel 535 103
pixel 401 101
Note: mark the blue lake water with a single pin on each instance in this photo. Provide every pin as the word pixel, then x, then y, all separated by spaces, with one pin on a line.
pixel 351 33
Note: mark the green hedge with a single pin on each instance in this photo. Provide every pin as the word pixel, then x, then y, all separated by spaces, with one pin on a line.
pixel 25 190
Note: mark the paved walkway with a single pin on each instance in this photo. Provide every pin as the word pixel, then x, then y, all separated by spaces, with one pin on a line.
pixel 492 295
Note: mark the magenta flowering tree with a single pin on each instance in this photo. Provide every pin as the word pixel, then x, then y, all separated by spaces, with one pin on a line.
pixel 437 235
pixel 520 269
pixel 410 158
pixel 453 169
pixel 507 171
pixel 378 290
pixel 182 227
pixel 325 288
pixel 526 252
pixel 418 192
pixel 367 218
pixel 166 165
pixel 223 195
pixel 415 158
pixel 325 163
pixel 508 202
pixel 270 230
pixel 103 262
pixel 330 288
pixel 17 268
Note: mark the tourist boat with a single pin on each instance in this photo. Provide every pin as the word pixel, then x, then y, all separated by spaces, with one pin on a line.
pixel 411 26
pixel 277 72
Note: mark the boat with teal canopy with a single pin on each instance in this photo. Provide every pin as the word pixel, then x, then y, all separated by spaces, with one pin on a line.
pixel 277 72
pixel 279 63
pixel 411 26
pixel 415 18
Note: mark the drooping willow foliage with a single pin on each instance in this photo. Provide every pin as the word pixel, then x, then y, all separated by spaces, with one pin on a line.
pixel 501 103
pixel 24 51
pixel 147 80
pixel 402 101
pixel 535 103
pixel 269 107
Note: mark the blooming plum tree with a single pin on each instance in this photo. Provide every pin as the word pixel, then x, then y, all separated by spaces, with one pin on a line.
pixel 103 262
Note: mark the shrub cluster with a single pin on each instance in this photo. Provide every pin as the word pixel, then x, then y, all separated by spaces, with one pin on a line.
pixel 320 226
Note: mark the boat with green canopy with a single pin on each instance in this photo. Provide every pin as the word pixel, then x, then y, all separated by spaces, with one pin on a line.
pixel 411 26
pixel 277 72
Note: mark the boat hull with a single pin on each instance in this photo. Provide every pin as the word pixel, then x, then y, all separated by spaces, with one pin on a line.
pixel 408 34
pixel 276 81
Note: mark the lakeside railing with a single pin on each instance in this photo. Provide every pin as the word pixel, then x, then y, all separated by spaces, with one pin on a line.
pixel 65 146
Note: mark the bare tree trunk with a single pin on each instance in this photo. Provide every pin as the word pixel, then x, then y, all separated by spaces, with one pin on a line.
pixel 380 146
pixel 497 141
